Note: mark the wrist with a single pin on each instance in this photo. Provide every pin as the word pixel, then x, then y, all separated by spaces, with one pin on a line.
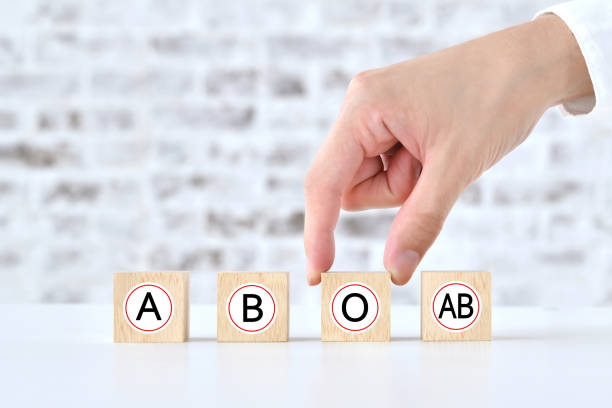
pixel 556 67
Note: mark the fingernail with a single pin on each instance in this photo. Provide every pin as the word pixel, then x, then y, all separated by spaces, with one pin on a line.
pixel 311 274
pixel 404 265
pixel 312 280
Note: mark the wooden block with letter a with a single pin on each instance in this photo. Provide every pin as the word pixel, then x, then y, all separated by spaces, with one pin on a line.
pixel 355 306
pixel 455 306
pixel 151 307
pixel 252 306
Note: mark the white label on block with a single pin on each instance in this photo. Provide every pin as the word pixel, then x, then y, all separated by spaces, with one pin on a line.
pixel 148 307
pixel 355 307
pixel 252 308
pixel 456 306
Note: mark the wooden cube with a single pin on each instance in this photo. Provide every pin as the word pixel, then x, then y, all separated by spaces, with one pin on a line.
pixel 151 307
pixel 355 306
pixel 252 306
pixel 455 306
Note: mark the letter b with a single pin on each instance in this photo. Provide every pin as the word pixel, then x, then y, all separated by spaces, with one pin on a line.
pixel 246 307
pixel 467 305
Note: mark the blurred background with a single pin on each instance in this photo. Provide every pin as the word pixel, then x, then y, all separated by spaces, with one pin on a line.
pixel 175 134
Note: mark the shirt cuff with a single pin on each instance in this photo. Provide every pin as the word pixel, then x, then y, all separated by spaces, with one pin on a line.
pixel 591 23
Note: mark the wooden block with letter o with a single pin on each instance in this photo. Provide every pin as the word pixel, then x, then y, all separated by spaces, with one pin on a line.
pixel 355 306
pixel 455 306
pixel 252 306
pixel 151 307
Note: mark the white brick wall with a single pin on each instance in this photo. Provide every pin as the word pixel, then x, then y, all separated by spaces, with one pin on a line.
pixel 174 134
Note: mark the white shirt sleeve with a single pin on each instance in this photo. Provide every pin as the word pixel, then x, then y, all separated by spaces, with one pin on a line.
pixel 591 23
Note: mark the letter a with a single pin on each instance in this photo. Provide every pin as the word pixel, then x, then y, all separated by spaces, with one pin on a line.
pixel 449 308
pixel 144 308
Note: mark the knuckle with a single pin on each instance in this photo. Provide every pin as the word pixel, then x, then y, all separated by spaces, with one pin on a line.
pixel 399 193
pixel 362 81
pixel 316 185
pixel 348 203
pixel 367 124
pixel 397 199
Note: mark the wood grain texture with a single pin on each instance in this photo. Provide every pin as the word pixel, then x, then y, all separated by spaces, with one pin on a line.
pixel 276 282
pixel 380 282
pixel 431 281
pixel 177 283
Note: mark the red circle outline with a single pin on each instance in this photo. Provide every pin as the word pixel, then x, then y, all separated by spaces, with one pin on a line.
pixel 128 316
pixel 433 302
pixel 229 302
pixel 375 298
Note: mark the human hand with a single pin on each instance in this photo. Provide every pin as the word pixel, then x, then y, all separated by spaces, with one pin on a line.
pixel 417 133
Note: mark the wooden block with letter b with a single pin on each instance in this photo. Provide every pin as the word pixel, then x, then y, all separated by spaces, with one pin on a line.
pixel 252 306
pixel 355 306
pixel 455 306
pixel 151 307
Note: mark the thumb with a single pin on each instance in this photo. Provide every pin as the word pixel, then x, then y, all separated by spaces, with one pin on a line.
pixel 420 219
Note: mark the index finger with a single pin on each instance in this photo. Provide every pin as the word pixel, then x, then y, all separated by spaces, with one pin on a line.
pixel 331 172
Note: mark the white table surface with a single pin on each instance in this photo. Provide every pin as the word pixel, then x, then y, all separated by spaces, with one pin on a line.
pixel 63 355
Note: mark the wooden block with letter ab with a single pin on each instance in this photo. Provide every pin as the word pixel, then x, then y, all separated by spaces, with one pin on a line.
pixel 455 306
